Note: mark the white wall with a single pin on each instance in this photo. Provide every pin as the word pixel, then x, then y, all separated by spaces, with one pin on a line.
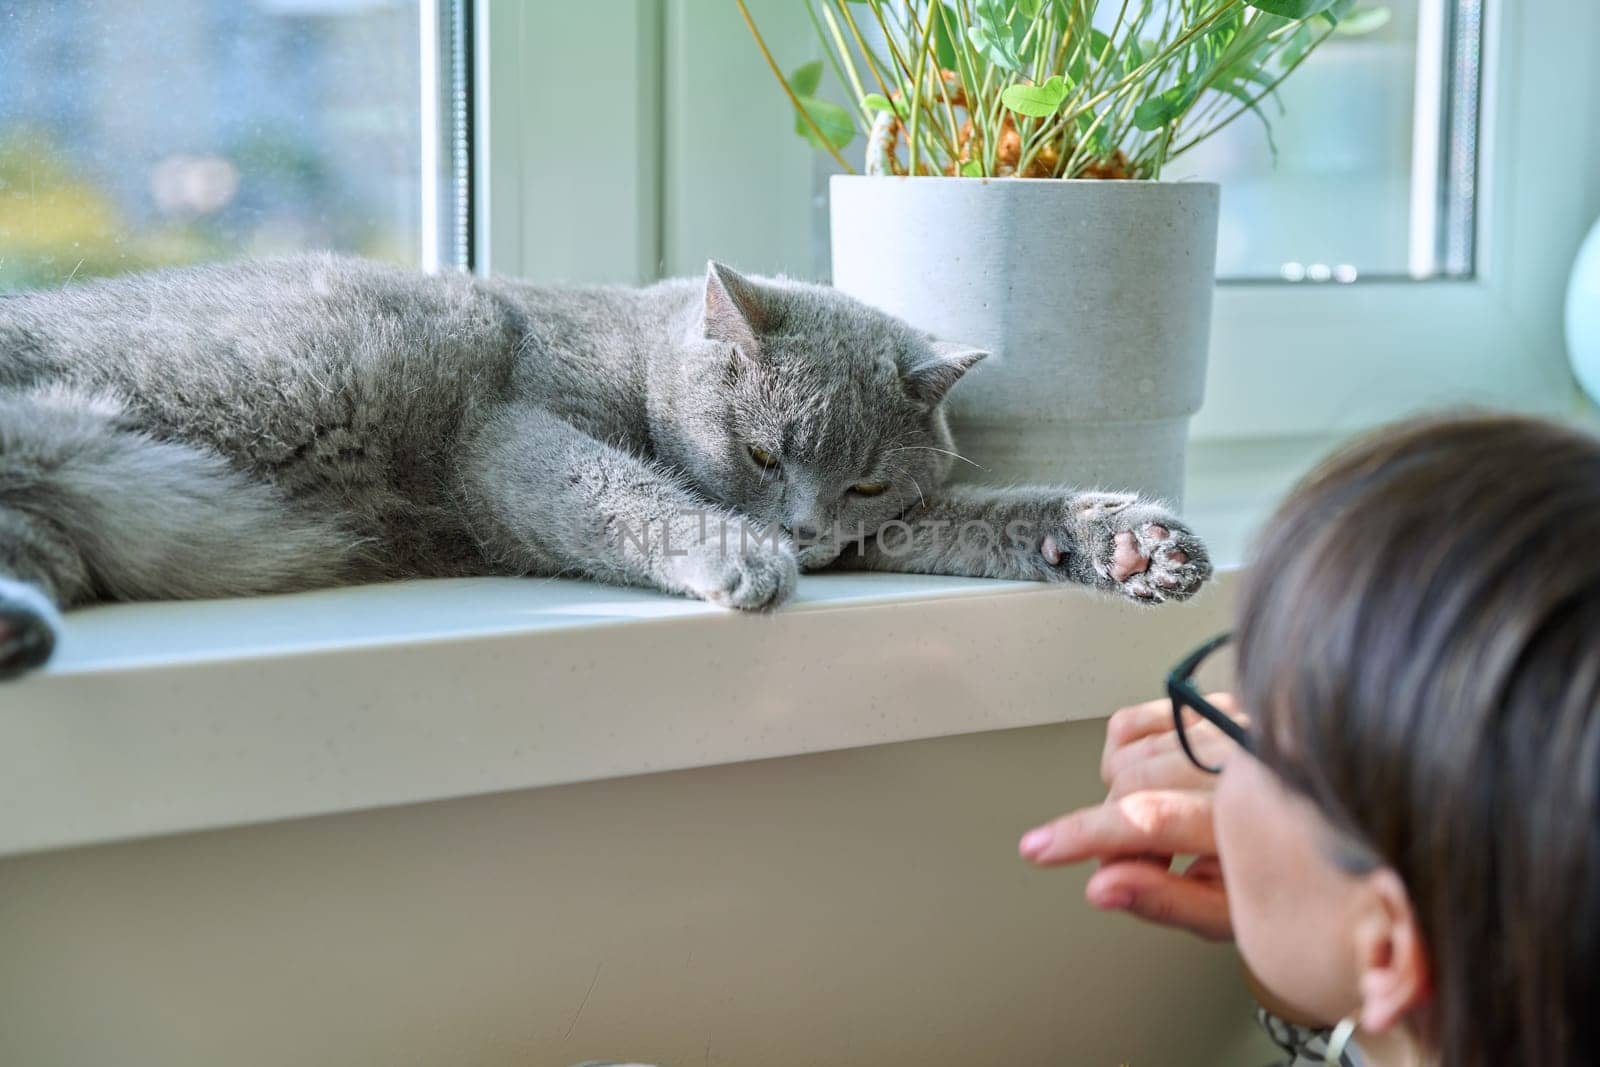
pixel 862 907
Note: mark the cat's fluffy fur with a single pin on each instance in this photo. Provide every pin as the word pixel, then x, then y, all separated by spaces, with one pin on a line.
pixel 284 424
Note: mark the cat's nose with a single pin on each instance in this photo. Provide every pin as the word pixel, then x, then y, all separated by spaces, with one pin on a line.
pixel 804 532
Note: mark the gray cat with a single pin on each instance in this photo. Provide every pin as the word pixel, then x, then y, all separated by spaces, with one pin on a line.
pixel 286 424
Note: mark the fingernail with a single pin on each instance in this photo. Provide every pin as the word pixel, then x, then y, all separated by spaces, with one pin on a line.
pixel 1117 900
pixel 1035 841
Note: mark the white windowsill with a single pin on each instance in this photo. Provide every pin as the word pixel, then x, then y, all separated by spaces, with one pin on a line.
pixel 164 718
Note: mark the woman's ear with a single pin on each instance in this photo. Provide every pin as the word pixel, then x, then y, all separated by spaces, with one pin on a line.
pixel 1392 958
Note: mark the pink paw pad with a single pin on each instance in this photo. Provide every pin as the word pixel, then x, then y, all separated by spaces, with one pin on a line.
pixel 1135 552
pixel 1128 558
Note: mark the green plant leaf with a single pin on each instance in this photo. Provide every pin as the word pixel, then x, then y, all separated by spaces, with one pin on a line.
pixel 805 79
pixel 1002 53
pixel 1364 21
pixel 1085 58
pixel 1292 9
pixel 1245 97
pixel 837 127
pixel 1036 101
pixel 1134 58
pixel 1228 26
pixel 944 47
pixel 1300 42
pixel 1235 49
pixel 834 121
pixel 1163 108
pixel 1246 72
pixel 1091 137
pixel 1059 12
pixel 992 37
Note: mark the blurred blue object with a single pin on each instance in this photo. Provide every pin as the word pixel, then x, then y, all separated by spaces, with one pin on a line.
pixel 1583 316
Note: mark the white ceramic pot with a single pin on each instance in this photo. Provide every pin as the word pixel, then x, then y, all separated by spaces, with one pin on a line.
pixel 1094 298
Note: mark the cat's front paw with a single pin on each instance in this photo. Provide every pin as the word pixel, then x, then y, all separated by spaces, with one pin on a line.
pixel 27 629
pixel 1131 546
pixel 750 578
pixel 815 557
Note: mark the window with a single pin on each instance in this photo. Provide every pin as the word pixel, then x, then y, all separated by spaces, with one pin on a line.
pixel 1466 178
pixel 1370 174
pixel 1370 171
pixel 1448 162
pixel 142 133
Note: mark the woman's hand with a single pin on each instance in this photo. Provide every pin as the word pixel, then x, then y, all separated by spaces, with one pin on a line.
pixel 1158 807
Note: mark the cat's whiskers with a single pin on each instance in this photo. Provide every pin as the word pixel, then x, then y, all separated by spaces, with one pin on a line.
pixel 930 448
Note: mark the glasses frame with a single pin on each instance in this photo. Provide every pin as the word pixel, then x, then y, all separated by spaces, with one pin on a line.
pixel 1183 693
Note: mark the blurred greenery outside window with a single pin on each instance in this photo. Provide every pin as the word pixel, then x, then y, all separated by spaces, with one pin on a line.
pixel 144 133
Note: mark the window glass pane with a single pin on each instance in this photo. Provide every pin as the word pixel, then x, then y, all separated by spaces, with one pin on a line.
pixel 139 133
pixel 1375 162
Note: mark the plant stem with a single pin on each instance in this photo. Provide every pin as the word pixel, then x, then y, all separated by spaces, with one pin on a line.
pixel 789 90
pixel 1194 60
pixel 873 61
pixel 1290 69
pixel 911 91
pixel 866 53
pixel 944 88
pixel 837 55
pixel 888 40
pixel 916 88
pixel 1166 54
pixel 968 72
pixel 1058 125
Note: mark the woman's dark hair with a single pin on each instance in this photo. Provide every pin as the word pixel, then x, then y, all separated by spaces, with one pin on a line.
pixel 1419 641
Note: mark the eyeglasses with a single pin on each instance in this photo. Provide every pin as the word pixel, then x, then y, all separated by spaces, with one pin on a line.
pixel 1181 688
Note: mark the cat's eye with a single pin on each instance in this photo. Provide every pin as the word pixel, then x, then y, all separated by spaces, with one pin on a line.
pixel 869 488
pixel 762 457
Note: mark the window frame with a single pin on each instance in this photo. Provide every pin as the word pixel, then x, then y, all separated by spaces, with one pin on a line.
pixel 1295 359
pixel 639 200
pixel 564 191
pixel 445 34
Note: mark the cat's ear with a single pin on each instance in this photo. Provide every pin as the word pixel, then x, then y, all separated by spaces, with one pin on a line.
pixel 733 311
pixel 940 367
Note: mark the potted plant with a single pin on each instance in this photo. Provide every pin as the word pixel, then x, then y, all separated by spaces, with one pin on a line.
pixel 1012 199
